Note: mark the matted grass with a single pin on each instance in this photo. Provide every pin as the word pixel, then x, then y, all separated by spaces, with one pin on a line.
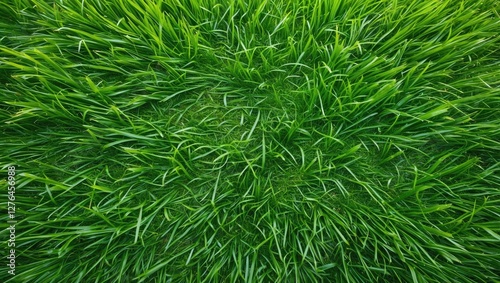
pixel 252 141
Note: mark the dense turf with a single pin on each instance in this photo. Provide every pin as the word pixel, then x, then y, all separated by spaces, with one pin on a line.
pixel 252 141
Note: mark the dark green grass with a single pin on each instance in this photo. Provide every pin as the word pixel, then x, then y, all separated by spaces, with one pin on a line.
pixel 252 141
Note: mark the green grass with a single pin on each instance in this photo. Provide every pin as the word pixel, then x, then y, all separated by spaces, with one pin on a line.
pixel 252 141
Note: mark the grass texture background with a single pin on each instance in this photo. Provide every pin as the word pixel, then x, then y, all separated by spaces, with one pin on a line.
pixel 252 141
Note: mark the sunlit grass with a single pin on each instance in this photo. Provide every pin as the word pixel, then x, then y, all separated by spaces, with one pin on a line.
pixel 252 141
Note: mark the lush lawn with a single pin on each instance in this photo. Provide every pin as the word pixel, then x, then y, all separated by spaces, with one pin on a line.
pixel 251 141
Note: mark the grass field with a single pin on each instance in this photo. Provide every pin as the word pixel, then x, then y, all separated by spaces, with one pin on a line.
pixel 250 141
